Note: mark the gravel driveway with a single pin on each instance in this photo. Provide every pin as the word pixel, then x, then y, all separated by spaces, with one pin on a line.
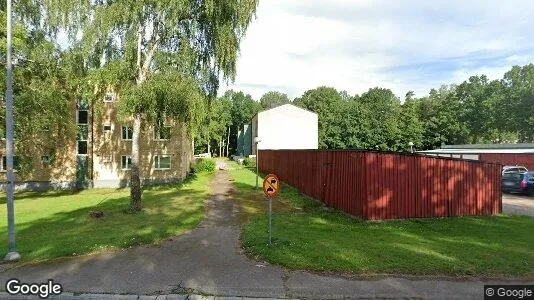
pixel 517 204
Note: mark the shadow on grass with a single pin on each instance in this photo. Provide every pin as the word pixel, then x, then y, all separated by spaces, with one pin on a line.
pixel 37 195
pixel 310 236
pixel 167 211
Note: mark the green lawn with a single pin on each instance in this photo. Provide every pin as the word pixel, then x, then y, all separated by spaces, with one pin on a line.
pixel 57 224
pixel 308 236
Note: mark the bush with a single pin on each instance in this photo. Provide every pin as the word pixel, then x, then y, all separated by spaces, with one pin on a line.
pixel 249 162
pixel 204 165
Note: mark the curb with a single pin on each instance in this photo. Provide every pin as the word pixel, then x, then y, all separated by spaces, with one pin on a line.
pixel 71 296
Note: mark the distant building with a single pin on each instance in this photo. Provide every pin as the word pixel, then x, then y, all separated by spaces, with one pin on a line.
pixel 285 127
pixel 505 154
pixel 244 141
pixel 100 154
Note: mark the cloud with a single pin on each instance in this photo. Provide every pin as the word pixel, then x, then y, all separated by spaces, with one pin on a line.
pixel 295 45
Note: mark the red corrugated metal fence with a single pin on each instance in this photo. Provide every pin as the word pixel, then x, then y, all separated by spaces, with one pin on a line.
pixel 375 186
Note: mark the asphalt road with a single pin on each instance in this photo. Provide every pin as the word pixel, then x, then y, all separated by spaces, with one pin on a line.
pixel 517 204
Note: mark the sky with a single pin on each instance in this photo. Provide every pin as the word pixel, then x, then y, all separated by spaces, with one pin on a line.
pixel 354 45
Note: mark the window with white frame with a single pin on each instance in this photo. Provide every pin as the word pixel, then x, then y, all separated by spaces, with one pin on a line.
pixel 16 164
pixel 127 133
pixel 107 128
pixel 162 162
pixel 82 119
pixel 109 98
pixel 126 162
pixel 162 132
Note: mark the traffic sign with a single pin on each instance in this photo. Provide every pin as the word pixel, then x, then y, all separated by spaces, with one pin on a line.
pixel 271 186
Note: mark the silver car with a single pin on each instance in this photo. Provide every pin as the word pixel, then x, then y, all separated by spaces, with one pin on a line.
pixel 514 169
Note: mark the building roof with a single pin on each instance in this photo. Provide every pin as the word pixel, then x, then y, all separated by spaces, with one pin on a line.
pixel 489 146
pixel 483 148
pixel 286 106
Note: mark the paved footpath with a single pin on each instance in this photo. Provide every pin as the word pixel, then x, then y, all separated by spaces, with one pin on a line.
pixel 208 261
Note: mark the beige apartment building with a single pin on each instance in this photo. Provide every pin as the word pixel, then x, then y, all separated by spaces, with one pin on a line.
pixel 99 155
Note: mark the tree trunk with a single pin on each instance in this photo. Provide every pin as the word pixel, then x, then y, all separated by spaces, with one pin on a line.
pixel 135 179
pixel 220 147
pixel 224 147
pixel 227 141
pixel 209 148
pixel 192 146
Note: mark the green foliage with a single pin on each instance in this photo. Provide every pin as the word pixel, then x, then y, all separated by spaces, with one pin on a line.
pixel 163 94
pixel 310 237
pixel 328 104
pixel 273 99
pixel 198 38
pixel 43 88
pixel 204 165
pixel 249 162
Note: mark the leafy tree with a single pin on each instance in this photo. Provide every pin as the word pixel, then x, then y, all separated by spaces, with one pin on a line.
pixel 132 40
pixel 474 101
pixel 219 122
pixel 381 108
pixel 42 90
pixel 327 103
pixel 519 101
pixel 244 108
pixel 273 99
pixel 410 127
pixel 440 113
pixel 354 125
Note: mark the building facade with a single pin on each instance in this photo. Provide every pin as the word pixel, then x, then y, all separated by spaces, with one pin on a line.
pixel 99 155
pixel 244 141
pixel 285 127
pixel 505 154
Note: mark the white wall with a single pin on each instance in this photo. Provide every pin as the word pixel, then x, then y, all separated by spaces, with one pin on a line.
pixel 286 127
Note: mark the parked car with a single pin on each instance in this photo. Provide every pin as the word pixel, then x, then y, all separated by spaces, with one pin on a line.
pixel 518 182
pixel 514 169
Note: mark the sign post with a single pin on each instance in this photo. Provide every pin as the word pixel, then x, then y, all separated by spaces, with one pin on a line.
pixel 271 188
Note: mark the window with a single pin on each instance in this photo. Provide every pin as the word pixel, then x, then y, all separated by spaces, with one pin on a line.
pixel 82 104
pixel 82 147
pixel 162 133
pixel 83 130
pixel 107 128
pixel 162 162
pixel 127 133
pixel 126 162
pixel 45 161
pixel 109 98
pixel 83 117
pixel 16 163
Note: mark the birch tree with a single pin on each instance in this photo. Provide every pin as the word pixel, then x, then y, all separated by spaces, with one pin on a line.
pixel 195 38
